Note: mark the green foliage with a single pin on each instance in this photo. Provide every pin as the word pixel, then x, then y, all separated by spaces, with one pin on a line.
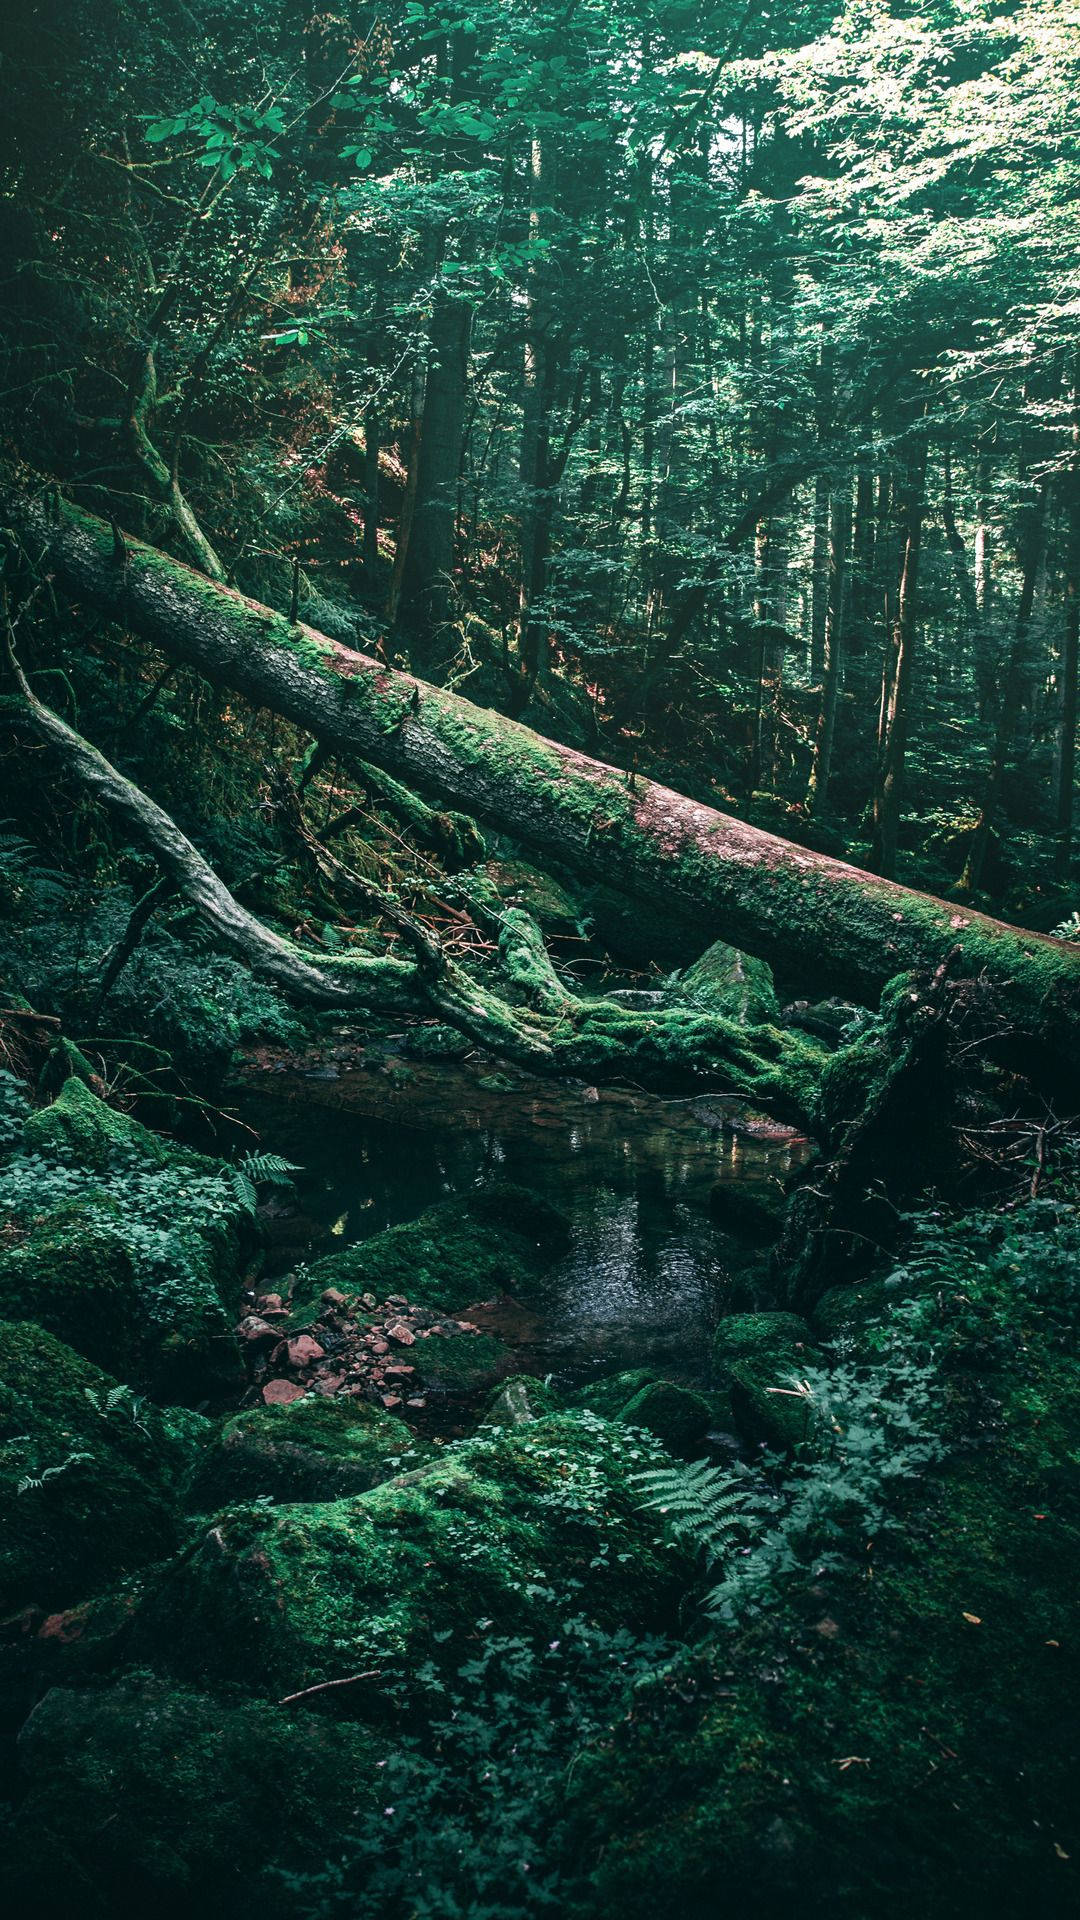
pixel 714 1509
pixel 256 1170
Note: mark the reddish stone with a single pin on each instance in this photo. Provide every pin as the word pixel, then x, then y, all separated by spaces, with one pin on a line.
pixel 280 1393
pixel 391 1399
pixel 256 1332
pixel 403 1335
pixel 333 1297
pixel 303 1350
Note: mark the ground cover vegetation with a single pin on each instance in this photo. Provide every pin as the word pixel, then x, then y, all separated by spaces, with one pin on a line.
pixel 543 540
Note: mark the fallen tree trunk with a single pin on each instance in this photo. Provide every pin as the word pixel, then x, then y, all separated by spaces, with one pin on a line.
pixel 554 1031
pixel 815 919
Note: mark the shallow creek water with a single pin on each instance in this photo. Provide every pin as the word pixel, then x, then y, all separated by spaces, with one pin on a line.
pixel 381 1138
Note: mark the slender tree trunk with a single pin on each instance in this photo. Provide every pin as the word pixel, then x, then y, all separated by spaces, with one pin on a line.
pixel 888 786
pixel 1030 552
pixel 370 548
pixel 817 791
pixel 1065 770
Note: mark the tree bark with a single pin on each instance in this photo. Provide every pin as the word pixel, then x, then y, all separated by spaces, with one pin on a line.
pixel 817 791
pixel 818 920
pixel 1032 537
pixel 900 667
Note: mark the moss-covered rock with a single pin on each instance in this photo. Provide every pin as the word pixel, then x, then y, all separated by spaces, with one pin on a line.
pixel 75 1276
pixel 88 1476
pixel 498 1241
pixel 140 1794
pixel 676 1415
pixel 756 1359
pixel 516 884
pixel 79 1126
pixel 316 1448
pixel 514 1525
pixel 730 983
pixel 465 1365
pixel 752 1210
pixel 608 1395
pixel 111 1205
pixel 519 1400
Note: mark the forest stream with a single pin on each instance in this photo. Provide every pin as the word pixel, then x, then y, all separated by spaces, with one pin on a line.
pixel 644 1277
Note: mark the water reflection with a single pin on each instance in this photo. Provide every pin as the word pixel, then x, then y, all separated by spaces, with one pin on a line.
pixel 381 1140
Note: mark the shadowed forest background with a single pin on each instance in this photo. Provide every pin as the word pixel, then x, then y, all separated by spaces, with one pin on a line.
pixel 541 599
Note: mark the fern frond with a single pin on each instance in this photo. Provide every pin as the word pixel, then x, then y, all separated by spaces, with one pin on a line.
pixel 709 1508
pixel 268 1169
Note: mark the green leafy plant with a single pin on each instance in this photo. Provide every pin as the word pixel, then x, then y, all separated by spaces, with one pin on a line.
pixel 257 1170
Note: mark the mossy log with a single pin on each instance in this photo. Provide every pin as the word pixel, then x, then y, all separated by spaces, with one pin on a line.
pixel 715 877
pixel 555 1032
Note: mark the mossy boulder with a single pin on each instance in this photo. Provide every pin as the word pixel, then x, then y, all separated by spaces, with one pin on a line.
pixel 678 1416
pixel 498 1241
pixel 519 1400
pixel 756 1359
pixel 75 1276
pixel 466 1364
pixel 113 1204
pixel 316 1448
pixel 514 1525
pixel 79 1126
pixel 750 1210
pixel 608 1395
pixel 89 1477
pixel 516 884
pixel 730 983
pixel 143 1796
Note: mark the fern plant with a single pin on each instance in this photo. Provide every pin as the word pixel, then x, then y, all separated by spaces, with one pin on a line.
pixel 257 1170
pixel 34 1482
pixel 713 1509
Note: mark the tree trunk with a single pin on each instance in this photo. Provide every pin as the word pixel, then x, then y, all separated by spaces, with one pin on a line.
pixel 819 921
pixel 1030 552
pixel 900 666
pixel 817 791
pixel 426 597
pixel 1065 769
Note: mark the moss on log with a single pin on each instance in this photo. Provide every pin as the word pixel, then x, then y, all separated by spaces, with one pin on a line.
pixel 714 876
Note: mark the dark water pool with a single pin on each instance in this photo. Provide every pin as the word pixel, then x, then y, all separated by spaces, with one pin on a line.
pixel 380 1139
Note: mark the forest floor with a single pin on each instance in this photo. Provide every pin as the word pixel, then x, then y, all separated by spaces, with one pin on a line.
pixel 316 1603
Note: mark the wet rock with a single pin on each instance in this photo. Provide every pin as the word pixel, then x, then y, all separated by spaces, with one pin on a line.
pixel 279 1393
pixel 144 1797
pixel 752 1210
pixel 519 1400
pixel 303 1350
pixel 307 1448
pixel 255 1332
pixel 757 1359
pixel 89 1487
